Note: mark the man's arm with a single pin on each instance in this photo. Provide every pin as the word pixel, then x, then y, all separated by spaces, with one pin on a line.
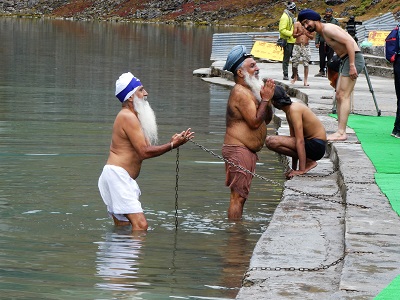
pixel 310 35
pixel 133 130
pixel 267 92
pixel 297 125
pixel 317 39
pixel 294 159
pixel 352 59
pixel 297 30
pixel 342 37
pixel 254 115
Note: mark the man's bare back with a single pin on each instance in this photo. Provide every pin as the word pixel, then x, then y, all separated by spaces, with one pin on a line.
pixel 300 115
pixel 337 38
pixel 127 136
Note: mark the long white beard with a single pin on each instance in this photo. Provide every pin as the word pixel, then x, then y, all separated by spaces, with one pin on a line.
pixel 147 119
pixel 254 83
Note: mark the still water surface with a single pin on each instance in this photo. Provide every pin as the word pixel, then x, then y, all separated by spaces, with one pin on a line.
pixel 57 106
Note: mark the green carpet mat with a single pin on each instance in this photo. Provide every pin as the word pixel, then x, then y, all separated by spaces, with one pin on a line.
pixel 391 292
pixel 384 152
pixel 381 148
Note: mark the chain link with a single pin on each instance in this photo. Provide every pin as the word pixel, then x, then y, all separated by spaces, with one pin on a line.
pixel 176 188
pixel 318 196
pixel 303 269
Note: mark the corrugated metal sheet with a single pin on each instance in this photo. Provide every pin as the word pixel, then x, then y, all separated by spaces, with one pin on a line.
pixel 385 22
pixel 223 42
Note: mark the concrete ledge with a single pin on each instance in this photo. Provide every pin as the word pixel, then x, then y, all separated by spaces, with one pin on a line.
pixel 358 245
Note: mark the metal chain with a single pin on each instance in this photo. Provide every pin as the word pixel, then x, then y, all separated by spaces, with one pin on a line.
pixel 301 269
pixel 362 183
pixel 304 269
pixel 318 196
pixel 176 188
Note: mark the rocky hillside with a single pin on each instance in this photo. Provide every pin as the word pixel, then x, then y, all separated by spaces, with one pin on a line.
pixel 253 13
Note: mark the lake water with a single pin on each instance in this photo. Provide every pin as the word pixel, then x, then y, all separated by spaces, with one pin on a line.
pixel 57 106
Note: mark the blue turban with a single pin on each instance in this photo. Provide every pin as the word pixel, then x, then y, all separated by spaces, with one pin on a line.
pixel 126 85
pixel 236 58
pixel 308 14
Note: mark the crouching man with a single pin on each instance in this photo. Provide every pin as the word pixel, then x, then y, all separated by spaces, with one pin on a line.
pixel 307 141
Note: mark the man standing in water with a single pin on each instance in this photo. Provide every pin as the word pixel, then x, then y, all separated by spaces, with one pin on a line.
pixel 134 139
pixel 352 63
pixel 248 112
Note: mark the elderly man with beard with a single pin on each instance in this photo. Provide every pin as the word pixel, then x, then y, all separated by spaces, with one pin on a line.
pixel 248 112
pixel 352 63
pixel 134 139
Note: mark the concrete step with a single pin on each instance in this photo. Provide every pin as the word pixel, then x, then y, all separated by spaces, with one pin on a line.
pixel 377 61
pixel 380 71
pixel 378 66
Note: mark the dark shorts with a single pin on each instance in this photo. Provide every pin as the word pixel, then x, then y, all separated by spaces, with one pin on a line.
pixel 345 66
pixel 315 148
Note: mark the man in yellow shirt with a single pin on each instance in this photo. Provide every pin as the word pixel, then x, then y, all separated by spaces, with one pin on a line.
pixel 286 27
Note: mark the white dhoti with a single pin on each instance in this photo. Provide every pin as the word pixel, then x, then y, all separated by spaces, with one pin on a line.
pixel 119 192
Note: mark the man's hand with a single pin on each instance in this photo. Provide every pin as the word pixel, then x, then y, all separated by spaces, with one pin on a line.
pixel 353 72
pixel 267 90
pixel 178 139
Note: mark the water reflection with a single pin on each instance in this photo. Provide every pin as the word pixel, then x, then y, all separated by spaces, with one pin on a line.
pixel 118 259
pixel 234 253
pixel 57 108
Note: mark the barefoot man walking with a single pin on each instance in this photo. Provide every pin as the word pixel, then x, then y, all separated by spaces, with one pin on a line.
pixel 352 63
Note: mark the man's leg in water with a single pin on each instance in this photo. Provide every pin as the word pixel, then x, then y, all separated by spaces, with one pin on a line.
pixel 138 221
pixel 236 205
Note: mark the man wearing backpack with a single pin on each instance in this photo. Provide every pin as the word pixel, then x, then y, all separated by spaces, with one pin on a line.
pixel 396 69
pixel 392 52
